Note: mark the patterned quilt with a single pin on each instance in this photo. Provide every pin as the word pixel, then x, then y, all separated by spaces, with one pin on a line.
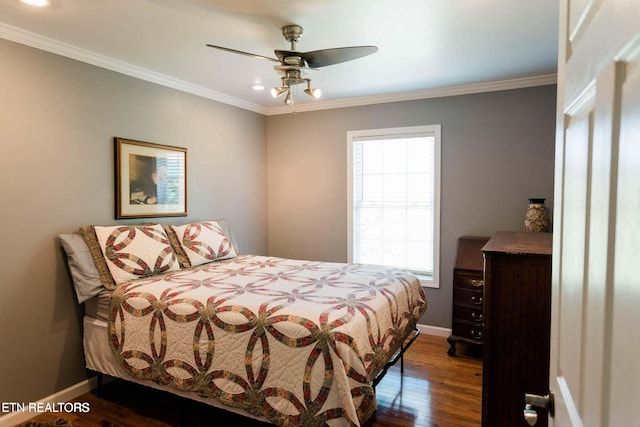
pixel 296 342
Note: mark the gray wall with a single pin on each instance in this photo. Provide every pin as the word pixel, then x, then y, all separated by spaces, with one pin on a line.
pixel 281 176
pixel 58 118
pixel 497 152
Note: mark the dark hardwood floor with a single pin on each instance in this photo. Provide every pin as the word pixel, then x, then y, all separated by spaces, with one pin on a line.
pixel 436 390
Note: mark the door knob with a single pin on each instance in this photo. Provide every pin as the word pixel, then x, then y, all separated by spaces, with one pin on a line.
pixel 530 415
pixel 534 400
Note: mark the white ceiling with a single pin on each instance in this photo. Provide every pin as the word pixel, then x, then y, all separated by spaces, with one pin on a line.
pixel 424 45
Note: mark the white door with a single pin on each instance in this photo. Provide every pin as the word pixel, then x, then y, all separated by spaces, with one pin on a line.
pixel 595 331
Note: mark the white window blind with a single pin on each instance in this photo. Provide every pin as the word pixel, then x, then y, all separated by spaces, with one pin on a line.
pixel 394 198
pixel 168 170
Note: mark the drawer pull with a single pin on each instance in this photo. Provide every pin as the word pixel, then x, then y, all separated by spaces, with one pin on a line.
pixel 476 334
pixel 477 283
pixel 477 318
pixel 476 300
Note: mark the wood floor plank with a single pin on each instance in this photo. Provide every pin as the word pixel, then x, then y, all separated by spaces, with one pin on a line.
pixel 436 390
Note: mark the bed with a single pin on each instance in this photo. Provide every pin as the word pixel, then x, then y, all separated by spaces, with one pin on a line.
pixel 292 342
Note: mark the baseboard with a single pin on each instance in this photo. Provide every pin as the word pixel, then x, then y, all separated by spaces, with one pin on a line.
pixel 434 330
pixel 69 393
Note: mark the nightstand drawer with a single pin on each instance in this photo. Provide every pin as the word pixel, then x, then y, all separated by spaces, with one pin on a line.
pixel 467 314
pixel 468 298
pixel 471 282
pixel 466 330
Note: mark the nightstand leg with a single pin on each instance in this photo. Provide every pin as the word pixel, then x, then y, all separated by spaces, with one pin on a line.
pixel 452 350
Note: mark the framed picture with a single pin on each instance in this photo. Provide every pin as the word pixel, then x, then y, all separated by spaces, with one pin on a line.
pixel 151 179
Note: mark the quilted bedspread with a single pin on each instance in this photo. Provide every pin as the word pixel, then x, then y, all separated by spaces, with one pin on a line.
pixel 295 342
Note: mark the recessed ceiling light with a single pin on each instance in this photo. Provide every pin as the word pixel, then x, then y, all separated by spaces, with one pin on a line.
pixel 37 3
pixel 257 86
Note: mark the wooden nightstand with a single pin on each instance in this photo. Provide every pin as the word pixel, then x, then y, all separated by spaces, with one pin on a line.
pixel 468 286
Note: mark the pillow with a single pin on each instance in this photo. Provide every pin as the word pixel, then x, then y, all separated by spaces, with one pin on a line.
pixel 86 280
pixel 90 238
pixel 200 242
pixel 227 232
pixel 134 251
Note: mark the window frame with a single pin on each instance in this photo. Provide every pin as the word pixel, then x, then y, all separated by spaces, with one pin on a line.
pixel 400 132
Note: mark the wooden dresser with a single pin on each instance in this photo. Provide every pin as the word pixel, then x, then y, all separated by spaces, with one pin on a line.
pixel 517 318
pixel 468 280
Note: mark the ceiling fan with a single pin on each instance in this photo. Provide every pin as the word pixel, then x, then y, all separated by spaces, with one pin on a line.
pixel 292 62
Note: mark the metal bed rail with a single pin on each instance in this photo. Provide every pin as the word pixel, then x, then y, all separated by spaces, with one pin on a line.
pixel 398 355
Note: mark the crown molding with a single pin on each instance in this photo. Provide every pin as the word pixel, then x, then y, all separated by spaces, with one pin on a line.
pixel 543 80
pixel 37 41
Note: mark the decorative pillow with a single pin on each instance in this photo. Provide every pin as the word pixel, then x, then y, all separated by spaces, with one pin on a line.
pixel 200 242
pixel 86 280
pixel 131 252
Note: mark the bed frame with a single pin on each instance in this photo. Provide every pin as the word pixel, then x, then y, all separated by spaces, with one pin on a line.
pixel 398 355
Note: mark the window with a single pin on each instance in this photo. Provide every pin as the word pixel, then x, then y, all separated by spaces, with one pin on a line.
pixel 166 177
pixel 394 199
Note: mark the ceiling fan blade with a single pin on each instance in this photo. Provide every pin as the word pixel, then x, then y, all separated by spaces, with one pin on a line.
pixel 242 53
pixel 325 57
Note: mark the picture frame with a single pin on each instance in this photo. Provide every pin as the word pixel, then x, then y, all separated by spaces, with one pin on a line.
pixel 150 179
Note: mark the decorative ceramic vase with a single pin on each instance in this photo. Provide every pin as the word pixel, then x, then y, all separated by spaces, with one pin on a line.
pixel 536 220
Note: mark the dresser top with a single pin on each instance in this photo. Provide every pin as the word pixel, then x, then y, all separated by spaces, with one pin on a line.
pixel 520 242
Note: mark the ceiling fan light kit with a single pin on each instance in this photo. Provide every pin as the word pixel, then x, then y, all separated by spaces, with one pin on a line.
pixel 293 62
pixel 276 91
pixel 288 100
pixel 315 93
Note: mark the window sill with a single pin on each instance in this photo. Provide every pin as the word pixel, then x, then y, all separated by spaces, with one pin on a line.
pixel 427 282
